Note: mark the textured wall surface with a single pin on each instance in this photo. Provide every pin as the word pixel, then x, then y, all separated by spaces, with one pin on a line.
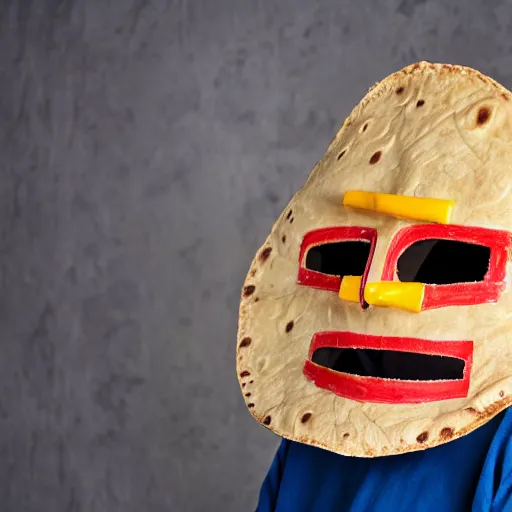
pixel 145 148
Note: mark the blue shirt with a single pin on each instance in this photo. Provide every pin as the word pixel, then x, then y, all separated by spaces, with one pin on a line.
pixel 473 473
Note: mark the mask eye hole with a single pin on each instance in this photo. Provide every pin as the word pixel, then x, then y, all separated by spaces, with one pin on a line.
pixel 443 262
pixel 329 254
pixel 347 258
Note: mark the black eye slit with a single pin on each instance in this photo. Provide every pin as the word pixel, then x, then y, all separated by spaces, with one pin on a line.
pixel 389 364
pixel 443 262
pixel 346 258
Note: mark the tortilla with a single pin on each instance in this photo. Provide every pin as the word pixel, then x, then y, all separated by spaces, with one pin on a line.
pixel 427 131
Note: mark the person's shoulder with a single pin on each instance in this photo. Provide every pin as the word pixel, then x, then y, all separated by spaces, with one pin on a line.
pixel 494 491
pixel 501 446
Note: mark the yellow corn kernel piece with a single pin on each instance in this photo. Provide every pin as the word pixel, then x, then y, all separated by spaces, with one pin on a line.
pixel 408 296
pixel 407 207
pixel 350 287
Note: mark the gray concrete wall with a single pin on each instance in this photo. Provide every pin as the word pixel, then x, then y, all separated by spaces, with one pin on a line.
pixel 146 146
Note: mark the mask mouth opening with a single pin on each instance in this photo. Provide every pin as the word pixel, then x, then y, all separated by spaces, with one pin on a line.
pixel 389 364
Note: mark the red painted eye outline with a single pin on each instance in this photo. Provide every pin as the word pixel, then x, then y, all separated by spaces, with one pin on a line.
pixel 460 294
pixel 322 236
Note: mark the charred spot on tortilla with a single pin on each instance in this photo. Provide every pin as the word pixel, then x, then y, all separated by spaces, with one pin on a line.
pixel 306 417
pixel 249 290
pixel 422 438
pixel 289 326
pixel 420 103
pixel 341 154
pixel 245 342
pixel 375 157
pixel 446 433
pixel 483 116
pixel 265 254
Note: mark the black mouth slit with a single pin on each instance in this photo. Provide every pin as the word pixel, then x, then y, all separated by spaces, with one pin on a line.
pixel 390 364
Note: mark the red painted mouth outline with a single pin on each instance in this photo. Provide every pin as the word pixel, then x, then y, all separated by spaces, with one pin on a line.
pixel 391 391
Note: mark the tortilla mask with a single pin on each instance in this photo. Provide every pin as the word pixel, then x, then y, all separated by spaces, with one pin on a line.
pixel 376 319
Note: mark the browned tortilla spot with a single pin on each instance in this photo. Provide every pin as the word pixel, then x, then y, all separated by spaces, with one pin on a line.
pixel 249 290
pixel 306 417
pixel 265 254
pixel 446 433
pixel 375 157
pixel 422 437
pixel 245 342
pixel 483 116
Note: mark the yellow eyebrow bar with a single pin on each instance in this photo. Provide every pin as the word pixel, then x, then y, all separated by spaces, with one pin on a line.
pixel 406 207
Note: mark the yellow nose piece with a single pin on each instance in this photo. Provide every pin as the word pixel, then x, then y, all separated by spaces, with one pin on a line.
pixel 350 287
pixel 391 294
pixel 407 207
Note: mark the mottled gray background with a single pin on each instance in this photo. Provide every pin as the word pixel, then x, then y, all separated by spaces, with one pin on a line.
pixel 145 148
